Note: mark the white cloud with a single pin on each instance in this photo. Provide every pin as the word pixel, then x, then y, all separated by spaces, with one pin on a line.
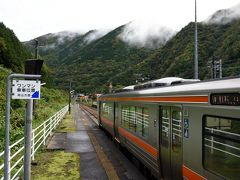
pixel 224 16
pixel 66 35
pixel 32 18
pixel 146 34
pixel 95 34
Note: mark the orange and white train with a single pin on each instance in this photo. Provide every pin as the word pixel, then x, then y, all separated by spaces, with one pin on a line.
pixel 178 128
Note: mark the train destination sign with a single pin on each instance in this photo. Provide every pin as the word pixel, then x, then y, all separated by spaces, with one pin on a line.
pixel 26 89
pixel 228 99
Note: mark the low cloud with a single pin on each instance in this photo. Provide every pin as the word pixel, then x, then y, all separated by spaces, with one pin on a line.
pixel 224 16
pixel 66 36
pixel 94 35
pixel 52 40
pixel 145 34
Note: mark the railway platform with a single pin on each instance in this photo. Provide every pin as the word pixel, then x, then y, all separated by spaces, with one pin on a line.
pixel 93 153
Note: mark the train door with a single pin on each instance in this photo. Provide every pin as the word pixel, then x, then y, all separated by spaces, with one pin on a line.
pixel 99 113
pixel 171 142
pixel 116 119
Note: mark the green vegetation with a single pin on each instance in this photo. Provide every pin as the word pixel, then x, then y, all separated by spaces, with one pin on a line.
pixel 12 52
pixel 12 56
pixel 56 165
pixel 67 125
pixel 51 101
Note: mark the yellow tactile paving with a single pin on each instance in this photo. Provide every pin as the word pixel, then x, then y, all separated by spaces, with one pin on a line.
pixel 107 165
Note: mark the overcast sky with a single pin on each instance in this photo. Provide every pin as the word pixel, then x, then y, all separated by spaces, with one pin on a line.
pixel 32 18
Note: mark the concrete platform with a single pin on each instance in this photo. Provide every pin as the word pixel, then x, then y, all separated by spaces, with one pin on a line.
pixel 78 142
pixel 57 141
pixel 100 159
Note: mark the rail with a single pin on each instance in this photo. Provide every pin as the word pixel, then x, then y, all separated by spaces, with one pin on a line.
pixel 39 137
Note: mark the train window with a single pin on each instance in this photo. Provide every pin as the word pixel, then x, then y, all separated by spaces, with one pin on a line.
pixel 107 110
pixel 139 118
pixel 132 120
pixel 221 142
pixel 176 130
pixel 165 126
pixel 125 116
pixel 145 122
pixel 136 119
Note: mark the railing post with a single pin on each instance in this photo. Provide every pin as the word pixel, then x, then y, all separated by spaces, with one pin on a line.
pixel 57 120
pixel 33 145
pixel 50 125
pixel 44 133
pixel 54 121
pixel 9 170
pixel 58 117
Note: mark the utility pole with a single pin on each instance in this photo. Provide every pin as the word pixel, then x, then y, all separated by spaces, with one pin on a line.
pixel 220 68
pixel 36 48
pixel 34 105
pixel 196 45
pixel 69 100
pixel 213 69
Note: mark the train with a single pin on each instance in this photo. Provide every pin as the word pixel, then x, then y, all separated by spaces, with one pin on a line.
pixel 178 128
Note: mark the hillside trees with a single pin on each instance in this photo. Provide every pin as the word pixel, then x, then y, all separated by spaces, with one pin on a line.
pixel 12 52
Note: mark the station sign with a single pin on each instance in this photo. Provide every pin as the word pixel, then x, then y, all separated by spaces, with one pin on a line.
pixel 26 89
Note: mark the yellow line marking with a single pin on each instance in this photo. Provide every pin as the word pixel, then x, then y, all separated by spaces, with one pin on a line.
pixel 107 165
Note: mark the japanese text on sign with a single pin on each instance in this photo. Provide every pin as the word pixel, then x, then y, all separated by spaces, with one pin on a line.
pixel 25 89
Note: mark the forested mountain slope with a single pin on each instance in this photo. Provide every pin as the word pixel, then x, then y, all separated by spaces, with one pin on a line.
pixel 12 57
pixel 12 52
pixel 92 65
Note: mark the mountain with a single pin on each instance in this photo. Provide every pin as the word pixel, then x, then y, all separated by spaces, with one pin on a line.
pixel 12 57
pixel 92 65
pixel 176 58
pixel 12 52
pixel 51 44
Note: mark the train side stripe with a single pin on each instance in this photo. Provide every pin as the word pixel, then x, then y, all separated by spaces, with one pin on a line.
pixel 190 99
pixel 151 150
pixel 108 122
pixel 190 174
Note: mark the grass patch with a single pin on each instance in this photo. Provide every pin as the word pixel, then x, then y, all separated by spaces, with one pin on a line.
pixel 56 165
pixel 67 125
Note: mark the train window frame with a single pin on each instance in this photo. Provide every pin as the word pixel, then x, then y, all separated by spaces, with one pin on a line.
pixel 138 125
pixel 109 114
pixel 145 128
pixel 204 121
pixel 123 121
pixel 144 134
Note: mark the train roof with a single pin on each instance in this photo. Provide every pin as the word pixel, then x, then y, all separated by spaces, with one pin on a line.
pixel 168 81
pixel 197 87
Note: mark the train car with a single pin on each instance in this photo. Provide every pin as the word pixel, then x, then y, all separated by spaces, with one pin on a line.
pixel 180 129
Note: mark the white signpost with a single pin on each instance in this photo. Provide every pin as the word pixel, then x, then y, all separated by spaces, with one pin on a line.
pixel 26 89
pixel 21 89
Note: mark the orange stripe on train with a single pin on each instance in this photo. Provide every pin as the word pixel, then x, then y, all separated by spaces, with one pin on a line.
pixel 190 174
pixel 191 99
pixel 151 150
pixel 110 123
